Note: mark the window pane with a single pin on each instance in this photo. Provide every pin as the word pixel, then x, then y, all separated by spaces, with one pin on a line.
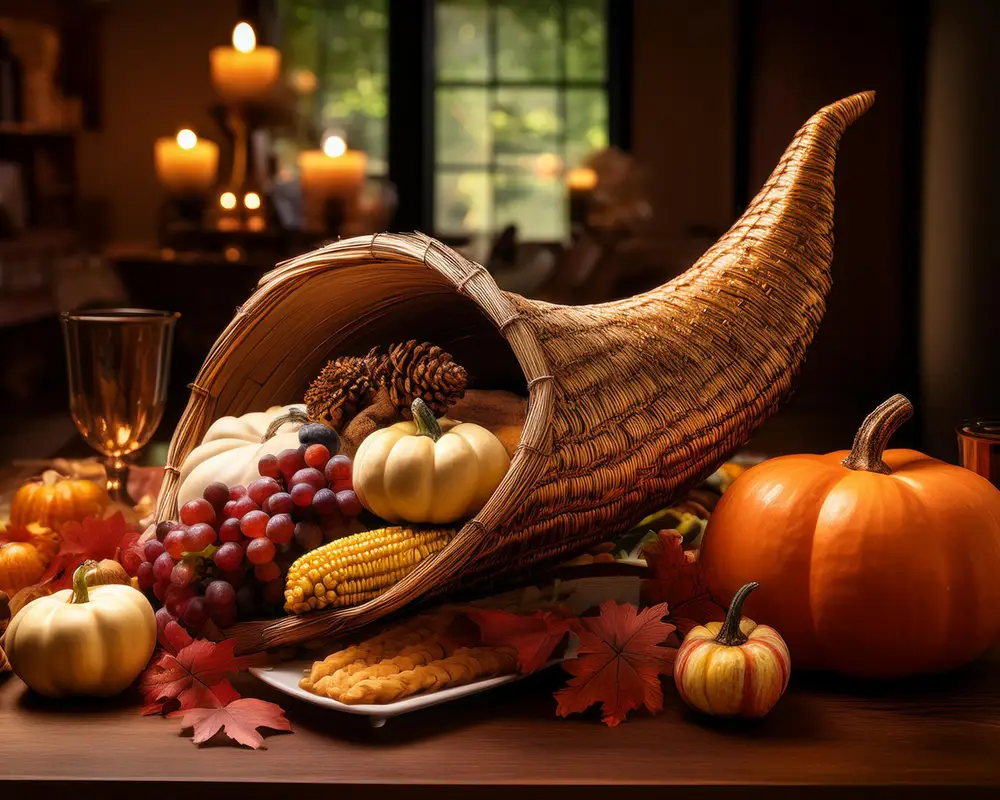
pixel 528 40
pixel 461 126
pixel 585 47
pixel 525 121
pixel 537 205
pixel 462 40
pixel 462 202
pixel 586 123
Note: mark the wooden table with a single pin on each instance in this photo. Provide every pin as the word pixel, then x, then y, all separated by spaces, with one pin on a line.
pixel 916 737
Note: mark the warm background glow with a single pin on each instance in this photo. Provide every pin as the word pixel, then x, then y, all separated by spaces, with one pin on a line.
pixel 228 200
pixel 251 200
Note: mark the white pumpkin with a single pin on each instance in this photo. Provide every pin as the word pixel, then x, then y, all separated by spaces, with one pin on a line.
pixel 231 449
pixel 428 471
pixel 82 641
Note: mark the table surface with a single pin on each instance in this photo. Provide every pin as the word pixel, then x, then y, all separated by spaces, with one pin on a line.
pixel 940 731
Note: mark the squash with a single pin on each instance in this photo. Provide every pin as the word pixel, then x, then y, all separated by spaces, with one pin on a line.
pixel 734 668
pixel 53 500
pixel 232 446
pixel 428 470
pixel 25 553
pixel 873 563
pixel 82 641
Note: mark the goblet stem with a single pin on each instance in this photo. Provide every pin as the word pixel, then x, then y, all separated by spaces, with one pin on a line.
pixel 116 472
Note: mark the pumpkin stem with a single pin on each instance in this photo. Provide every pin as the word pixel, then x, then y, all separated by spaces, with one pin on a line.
pixel 424 417
pixel 874 435
pixel 81 594
pixel 730 633
pixel 292 415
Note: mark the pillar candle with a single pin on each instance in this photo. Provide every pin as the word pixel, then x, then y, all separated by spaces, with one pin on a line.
pixel 580 182
pixel 333 172
pixel 186 164
pixel 244 72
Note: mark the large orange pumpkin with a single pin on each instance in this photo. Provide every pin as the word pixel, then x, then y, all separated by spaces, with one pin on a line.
pixel 25 553
pixel 871 563
pixel 53 500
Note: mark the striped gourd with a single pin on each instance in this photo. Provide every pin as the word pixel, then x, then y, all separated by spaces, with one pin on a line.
pixel 357 568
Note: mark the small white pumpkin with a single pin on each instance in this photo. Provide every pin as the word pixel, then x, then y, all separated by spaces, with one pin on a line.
pixel 82 641
pixel 232 447
pixel 434 471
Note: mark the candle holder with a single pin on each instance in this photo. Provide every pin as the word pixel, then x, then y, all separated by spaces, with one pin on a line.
pixel 580 184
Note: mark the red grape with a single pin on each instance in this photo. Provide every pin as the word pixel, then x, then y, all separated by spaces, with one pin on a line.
pixel 237 491
pixel 224 617
pixel 280 503
pixel 254 524
pixel 324 502
pixel 280 528
pixel 196 511
pixel 216 493
pixel 163 529
pixel 198 537
pixel 338 468
pixel 196 613
pixel 302 494
pixel 145 575
pixel 235 578
pixel 182 574
pixel 229 557
pixel 317 455
pixel 343 486
pixel 289 461
pixel 174 543
pixel 153 549
pixel 229 510
pixel 310 476
pixel 162 567
pixel 308 535
pixel 176 597
pixel 348 503
pixel 244 506
pixel 229 530
pixel 263 488
pixel 160 589
pixel 274 593
pixel 163 617
pixel 219 593
pixel 260 551
pixel 268 466
pixel 266 572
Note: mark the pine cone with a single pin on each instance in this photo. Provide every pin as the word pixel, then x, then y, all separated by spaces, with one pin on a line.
pixel 342 389
pixel 413 370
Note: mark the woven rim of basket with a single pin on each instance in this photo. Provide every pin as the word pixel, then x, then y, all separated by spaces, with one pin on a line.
pixel 468 278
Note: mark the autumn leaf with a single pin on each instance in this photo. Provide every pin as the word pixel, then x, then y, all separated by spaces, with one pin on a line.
pixel 238 717
pixel 620 662
pixel 678 582
pixel 535 637
pixel 199 665
pixel 93 539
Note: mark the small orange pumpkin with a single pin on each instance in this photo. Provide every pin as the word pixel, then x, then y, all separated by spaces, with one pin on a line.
pixel 873 563
pixel 25 553
pixel 53 500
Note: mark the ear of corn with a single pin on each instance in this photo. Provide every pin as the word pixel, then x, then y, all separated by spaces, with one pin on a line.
pixel 357 568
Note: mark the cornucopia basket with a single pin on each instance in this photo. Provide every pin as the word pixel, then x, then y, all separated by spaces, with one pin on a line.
pixel 630 402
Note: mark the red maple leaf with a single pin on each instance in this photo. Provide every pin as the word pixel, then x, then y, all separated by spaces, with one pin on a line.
pixel 93 539
pixel 195 667
pixel 678 582
pixel 238 717
pixel 620 662
pixel 535 637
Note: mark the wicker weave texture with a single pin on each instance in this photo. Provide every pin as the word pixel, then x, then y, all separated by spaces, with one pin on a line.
pixel 630 402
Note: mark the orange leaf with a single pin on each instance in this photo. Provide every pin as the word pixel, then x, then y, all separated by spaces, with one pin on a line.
pixel 93 539
pixel 238 717
pixel 535 637
pixel 201 664
pixel 678 582
pixel 620 662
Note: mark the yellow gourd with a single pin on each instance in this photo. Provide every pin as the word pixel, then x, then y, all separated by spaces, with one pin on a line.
pixel 428 471
pixel 82 641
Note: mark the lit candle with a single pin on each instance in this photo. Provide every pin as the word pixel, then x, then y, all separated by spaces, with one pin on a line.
pixel 186 164
pixel 333 172
pixel 581 179
pixel 244 72
pixel 580 182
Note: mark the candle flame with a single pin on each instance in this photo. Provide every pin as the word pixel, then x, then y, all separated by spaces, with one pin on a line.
pixel 186 139
pixel 251 200
pixel 334 146
pixel 228 201
pixel 244 38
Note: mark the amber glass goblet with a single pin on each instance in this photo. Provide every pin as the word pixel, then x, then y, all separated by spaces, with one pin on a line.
pixel 118 362
pixel 979 447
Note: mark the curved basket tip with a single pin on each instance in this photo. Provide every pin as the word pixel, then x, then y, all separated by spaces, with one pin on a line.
pixel 850 108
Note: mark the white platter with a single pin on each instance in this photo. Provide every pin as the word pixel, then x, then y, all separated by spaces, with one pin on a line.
pixel 285 678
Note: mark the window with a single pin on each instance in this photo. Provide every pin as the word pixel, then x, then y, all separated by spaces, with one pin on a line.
pixel 520 96
pixel 337 55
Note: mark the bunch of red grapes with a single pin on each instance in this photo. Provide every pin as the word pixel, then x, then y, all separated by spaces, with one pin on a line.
pixel 226 558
